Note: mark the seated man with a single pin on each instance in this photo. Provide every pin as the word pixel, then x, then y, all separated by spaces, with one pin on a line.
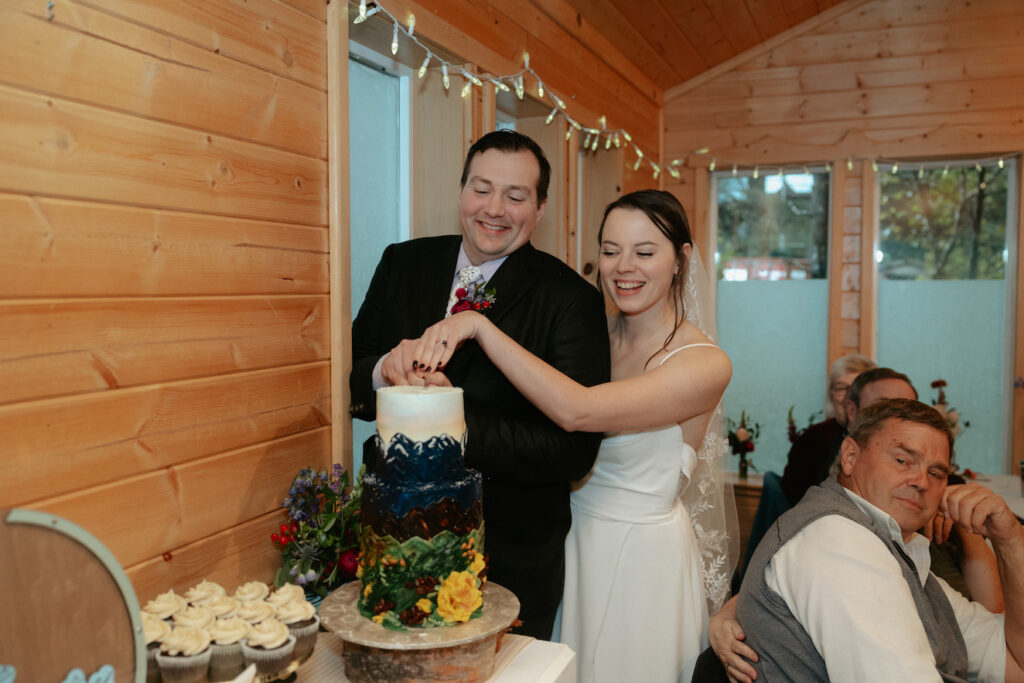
pixel 840 588
pixel 815 451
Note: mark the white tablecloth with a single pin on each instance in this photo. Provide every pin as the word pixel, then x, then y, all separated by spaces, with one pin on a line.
pixel 521 660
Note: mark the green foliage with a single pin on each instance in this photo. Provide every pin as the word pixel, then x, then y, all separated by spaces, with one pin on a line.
pixel 943 224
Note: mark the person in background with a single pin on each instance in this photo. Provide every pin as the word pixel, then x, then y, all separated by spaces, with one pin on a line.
pixel 841 589
pixel 806 464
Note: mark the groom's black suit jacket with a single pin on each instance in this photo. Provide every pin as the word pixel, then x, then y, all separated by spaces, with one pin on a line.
pixel 527 461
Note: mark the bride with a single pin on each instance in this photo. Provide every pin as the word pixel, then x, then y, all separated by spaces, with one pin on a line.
pixel 647 555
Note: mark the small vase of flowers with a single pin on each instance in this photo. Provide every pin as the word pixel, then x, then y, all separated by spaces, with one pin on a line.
pixel 951 415
pixel 741 441
pixel 320 541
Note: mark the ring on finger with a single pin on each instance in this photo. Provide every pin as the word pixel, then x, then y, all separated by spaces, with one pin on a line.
pixel 444 342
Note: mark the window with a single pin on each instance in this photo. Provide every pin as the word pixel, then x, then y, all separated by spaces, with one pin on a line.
pixel 944 278
pixel 772 299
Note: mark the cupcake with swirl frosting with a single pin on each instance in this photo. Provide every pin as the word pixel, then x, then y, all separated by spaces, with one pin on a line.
pixel 286 593
pixel 154 630
pixel 253 590
pixel 223 607
pixel 165 605
pixel 193 617
pixel 203 592
pixel 269 646
pixel 303 623
pixel 227 660
pixel 254 611
pixel 184 655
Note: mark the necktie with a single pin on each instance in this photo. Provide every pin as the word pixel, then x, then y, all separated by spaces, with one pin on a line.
pixel 467 276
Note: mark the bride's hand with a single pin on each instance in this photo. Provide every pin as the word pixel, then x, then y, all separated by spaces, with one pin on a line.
pixel 435 348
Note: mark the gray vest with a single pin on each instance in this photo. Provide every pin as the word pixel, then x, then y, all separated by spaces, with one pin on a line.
pixel 784 649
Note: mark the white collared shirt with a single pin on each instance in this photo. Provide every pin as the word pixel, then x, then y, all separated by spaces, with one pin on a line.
pixel 487 271
pixel 847 589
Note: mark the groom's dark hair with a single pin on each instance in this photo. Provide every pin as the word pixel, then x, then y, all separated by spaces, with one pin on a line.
pixel 510 141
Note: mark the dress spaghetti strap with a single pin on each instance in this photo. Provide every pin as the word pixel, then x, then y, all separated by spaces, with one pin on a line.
pixel 688 346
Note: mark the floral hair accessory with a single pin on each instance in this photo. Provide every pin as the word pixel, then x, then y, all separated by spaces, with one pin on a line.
pixel 478 297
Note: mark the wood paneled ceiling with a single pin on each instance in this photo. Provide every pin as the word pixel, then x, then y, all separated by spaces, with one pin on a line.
pixel 673 41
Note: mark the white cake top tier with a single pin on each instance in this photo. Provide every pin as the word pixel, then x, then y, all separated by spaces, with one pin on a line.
pixel 420 412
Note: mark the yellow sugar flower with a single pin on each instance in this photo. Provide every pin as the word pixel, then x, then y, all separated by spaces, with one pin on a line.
pixel 366 591
pixel 379 617
pixel 478 564
pixel 425 605
pixel 459 597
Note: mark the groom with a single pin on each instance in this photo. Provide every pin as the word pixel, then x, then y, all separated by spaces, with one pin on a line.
pixel 527 461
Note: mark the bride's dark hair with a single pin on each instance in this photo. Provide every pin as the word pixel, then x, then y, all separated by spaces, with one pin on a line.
pixel 668 215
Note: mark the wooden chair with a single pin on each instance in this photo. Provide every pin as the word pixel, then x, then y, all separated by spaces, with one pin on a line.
pixel 68 605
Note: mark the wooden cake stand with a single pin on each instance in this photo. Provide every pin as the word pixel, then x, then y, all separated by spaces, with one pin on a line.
pixel 459 653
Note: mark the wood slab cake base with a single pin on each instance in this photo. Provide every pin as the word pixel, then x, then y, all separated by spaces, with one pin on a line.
pixel 458 653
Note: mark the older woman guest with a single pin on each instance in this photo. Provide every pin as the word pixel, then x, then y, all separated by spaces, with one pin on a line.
pixel 811 455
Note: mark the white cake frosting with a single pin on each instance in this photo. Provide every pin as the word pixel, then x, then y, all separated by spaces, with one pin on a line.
pixel 420 412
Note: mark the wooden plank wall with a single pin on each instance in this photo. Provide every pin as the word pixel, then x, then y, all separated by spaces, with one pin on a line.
pixel 890 79
pixel 164 314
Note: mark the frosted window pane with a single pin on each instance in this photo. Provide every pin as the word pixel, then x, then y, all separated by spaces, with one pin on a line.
pixel 775 334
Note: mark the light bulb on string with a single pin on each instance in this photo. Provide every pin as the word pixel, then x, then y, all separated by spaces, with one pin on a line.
pixel 920 171
pixel 755 172
pixel 1000 162
pixel 411 24
pixel 597 139
pixel 828 167
pixel 444 75
pixel 576 124
pixel 977 166
pixel 559 101
pixel 362 10
pixel 945 170
pixel 639 153
pixel 626 135
pixel 520 89
pixel 551 116
pixel 874 165
pixel 849 163
pixel 423 67
pixel 540 89
pixel 586 143
pixel 711 167
pixel 780 174
pixel 734 170
pixel 657 170
pixel 568 133
pixel 674 173
pixel 466 87
pixel 637 164
pixel 608 142
pixel 618 143
pixel 604 124
pixel 394 40
pixel 702 150
pixel 895 167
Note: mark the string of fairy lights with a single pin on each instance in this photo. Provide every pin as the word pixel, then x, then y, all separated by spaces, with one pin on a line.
pixel 596 136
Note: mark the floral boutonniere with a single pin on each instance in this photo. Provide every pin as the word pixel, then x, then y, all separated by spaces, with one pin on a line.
pixel 479 297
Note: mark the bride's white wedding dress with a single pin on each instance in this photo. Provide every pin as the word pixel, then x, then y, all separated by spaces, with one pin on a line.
pixel 634 606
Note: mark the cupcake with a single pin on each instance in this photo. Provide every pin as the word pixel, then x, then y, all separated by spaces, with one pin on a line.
pixel 154 630
pixel 184 655
pixel 203 592
pixel 227 660
pixel 165 605
pixel 269 646
pixel 254 590
pixel 222 607
pixel 286 593
pixel 254 611
pixel 302 622
pixel 193 617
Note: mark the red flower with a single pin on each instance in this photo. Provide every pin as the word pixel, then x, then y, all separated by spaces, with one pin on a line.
pixel 461 293
pixel 750 446
pixel 477 306
pixel 348 561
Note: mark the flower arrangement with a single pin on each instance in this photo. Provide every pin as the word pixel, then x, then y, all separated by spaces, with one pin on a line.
pixel 320 542
pixel 951 415
pixel 479 297
pixel 741 441
pixel 795 432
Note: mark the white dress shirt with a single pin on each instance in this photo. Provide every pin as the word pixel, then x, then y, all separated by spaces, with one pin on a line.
pixel 846 588
pixel 487 271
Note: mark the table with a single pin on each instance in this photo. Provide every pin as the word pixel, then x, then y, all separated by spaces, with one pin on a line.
pixel 520 660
